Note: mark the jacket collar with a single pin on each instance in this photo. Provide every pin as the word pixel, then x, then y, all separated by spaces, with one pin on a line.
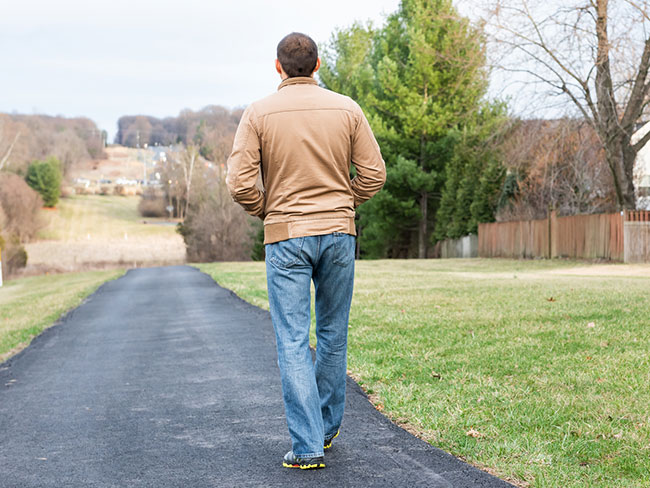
pixel 298 80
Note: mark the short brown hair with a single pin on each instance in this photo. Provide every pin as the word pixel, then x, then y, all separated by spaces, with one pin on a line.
pixel 297 54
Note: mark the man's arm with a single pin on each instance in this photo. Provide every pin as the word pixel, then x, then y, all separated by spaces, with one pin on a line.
pixel 244 167
pixel 367 160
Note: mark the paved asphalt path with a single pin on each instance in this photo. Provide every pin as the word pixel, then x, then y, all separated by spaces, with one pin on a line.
pixel 162 378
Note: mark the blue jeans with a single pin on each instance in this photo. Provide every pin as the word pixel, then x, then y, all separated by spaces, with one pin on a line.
pixel 314 393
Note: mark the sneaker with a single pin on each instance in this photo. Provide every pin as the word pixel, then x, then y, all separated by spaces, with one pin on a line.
pixel 328 440
pixel 292 461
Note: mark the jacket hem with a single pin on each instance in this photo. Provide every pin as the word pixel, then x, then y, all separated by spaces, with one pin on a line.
pixel 281 231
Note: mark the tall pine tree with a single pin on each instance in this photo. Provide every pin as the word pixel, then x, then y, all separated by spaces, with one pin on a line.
pixel 420 79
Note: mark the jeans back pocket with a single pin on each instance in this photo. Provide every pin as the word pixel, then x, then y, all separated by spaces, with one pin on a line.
pixel 286 254
pixel 344 247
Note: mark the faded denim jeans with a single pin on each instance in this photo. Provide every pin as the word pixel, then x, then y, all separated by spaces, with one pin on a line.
pixel 314 393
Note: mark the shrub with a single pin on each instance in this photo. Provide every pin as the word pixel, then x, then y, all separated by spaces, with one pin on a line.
pixel 14 258
pixel 14 255
pixel 119 190
pixel 152 204
pixel 215 228
pixel 67 192
pixel 45 178
pixel 20 206
pixel 258 251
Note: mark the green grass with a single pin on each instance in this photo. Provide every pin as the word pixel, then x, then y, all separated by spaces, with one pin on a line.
pixel 100 217
pixel 29 305
pixel 546 364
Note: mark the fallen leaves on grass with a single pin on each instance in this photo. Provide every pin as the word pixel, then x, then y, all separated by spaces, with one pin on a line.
pixel 474 433
pixel 551 299
pixel 591 325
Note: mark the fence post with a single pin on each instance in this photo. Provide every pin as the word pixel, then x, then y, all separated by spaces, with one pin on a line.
pixel 550 248
pixel 0 267
pixel 552 234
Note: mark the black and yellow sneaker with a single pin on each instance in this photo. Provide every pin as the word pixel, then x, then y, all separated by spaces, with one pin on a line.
pixel 328 440
pixel 292 461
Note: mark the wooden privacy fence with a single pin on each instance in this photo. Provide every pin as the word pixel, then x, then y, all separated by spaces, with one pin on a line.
pixel 614 237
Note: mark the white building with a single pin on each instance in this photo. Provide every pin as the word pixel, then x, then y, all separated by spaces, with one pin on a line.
pixel 642 171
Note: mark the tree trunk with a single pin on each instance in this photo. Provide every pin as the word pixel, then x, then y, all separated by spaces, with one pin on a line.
pixel 621 157
pixel 357 250
pixel 422 231
pixel 628 158
pixel 424 199
pixel 5 158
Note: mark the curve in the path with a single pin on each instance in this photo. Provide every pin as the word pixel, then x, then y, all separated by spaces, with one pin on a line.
pixel 163 378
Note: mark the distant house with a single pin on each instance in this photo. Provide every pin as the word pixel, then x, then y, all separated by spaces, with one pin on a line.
pixel 642 170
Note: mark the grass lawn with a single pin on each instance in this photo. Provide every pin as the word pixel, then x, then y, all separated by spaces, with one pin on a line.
pixel 537 370
pixel 29 305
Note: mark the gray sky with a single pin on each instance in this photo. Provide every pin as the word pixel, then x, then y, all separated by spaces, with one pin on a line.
pixel 154 57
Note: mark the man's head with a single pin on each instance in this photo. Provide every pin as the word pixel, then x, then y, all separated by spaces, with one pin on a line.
pixel 297 56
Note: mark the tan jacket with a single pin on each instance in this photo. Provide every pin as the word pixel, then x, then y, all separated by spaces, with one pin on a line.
pixel 304 138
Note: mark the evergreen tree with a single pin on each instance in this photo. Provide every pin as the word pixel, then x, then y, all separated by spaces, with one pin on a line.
pixel 474 175
pixel 419 79
pixel 45 177
pixel 486 200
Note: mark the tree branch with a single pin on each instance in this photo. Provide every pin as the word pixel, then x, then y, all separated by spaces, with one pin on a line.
pixel 8 153
pixel 639 90
pixel 638 145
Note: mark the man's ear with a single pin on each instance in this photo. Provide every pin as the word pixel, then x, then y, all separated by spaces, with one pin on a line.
pixel 278 66
pixel 317 64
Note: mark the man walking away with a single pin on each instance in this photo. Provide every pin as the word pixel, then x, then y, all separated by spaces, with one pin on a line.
pixel 304 139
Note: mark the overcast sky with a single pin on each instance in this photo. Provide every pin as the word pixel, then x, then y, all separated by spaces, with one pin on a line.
pixel 155 57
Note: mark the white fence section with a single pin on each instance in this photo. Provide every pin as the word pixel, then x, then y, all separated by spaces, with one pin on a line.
pixel 465 247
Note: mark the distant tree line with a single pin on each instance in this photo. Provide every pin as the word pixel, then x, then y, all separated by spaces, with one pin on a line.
pixel 210 129
pixel 26 138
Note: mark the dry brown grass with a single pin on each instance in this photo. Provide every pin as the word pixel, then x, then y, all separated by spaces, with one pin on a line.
pixel 97 232
pixel 63 256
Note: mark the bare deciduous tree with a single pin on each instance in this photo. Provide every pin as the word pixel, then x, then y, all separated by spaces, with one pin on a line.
pixel 24 138
pixel 216 228
pixel 557 164
pixel 188 159
pixel 20 208
pixel 596 53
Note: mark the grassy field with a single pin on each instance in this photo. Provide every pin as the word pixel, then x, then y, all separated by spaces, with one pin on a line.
pixel 100 217
pixel 537 371
pixel 29 305
pixel 89 231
